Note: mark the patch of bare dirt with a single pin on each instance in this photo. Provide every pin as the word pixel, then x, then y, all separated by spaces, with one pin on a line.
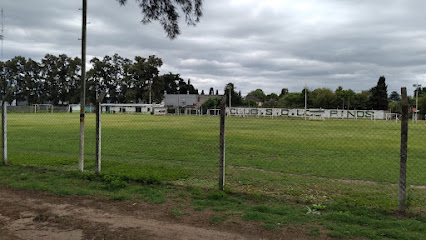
pixel 34 215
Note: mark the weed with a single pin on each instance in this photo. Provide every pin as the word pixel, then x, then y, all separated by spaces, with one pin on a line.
pixel 218 218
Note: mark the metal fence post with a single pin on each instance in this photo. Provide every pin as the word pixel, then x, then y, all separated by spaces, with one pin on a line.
pixel 402 195
pixel 222 144
pixel 4 131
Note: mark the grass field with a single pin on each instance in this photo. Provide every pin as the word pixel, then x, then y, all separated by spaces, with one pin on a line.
pixel 278 155
pixel 276 168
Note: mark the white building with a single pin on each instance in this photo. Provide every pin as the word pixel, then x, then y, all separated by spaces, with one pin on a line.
pixel 120 108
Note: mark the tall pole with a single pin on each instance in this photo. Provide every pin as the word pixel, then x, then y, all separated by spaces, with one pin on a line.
pixel 150 92
pixel 4 131
pixel 83 87
pixel 306 102
pixel 222 144
pixel 1 35
pixel 229 92
pixel 418 86
pixel 178 107
pixel 402 193
pixel 417 99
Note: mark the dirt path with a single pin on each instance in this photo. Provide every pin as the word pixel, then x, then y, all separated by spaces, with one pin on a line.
pixel 34 215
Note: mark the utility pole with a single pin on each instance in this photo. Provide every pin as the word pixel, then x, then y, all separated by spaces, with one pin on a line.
pixel 83 86
pixel 2 35
pixel 417 86
pixel 229 93
pixel 306 102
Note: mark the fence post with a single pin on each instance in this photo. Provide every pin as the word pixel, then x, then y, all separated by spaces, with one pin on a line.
pixel 222 144
pixel 402 195
pixel 4 131
pixel 98 132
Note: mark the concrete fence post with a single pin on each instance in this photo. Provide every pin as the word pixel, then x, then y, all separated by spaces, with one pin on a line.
pixel 4 131
pixel 98 132
pixel 222 144
pixel 402 194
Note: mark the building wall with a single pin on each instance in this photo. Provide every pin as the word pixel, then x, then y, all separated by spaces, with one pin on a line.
pixel 183 100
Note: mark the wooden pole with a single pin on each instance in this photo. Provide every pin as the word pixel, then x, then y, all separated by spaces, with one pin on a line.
pixel 4 131
pixel 83 87
pixel 402 196
pixel 222 144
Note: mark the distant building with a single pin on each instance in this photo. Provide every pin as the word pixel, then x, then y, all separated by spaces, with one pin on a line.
pixel 173 101
pixel 119 108
pixel 253 98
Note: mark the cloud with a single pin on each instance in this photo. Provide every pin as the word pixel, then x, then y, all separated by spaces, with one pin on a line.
pixel 269 44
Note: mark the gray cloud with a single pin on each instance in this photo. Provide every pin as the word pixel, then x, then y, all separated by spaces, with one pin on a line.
pixel 268 44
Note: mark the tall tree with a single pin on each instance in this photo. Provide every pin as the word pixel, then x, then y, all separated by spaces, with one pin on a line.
pixel 258 93
pixel 379 95
pixel 284 91
pixel 144 72
pixel 394 96
pixel 166 12
pixel 236 99
pixel 292 100
pixel 361 100
pixel 323 98
pixel 170 82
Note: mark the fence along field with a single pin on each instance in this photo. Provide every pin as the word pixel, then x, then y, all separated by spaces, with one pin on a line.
pixel 310 161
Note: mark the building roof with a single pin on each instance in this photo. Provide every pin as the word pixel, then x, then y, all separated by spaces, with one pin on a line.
pixel 253 98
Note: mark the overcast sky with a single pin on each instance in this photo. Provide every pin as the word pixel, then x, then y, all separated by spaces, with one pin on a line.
pixel 267 44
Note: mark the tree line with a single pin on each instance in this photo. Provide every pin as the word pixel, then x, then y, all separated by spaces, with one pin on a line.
pixel 57 80
pixel 375 98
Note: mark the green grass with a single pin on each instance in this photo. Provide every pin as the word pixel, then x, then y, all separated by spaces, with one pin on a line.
pixel 336 219
pixel 352 162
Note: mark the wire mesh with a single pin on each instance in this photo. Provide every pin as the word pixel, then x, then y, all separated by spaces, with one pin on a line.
pixel 313 159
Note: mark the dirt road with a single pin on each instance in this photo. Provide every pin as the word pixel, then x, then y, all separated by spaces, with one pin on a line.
pixel 35 215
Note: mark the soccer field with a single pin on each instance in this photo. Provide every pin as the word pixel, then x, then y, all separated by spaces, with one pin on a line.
pixel 185 148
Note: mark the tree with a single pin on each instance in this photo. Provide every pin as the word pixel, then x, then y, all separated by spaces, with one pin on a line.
pixel 211 103
pixel 259 94
pixel 271 96
pixel 395 106
pixel 270 103
pixel 284 91
pixel 379 95
pixel 360 100
pixel 420 90
pixel 170 82
pixel 422 106
pixel 236 99
pixel 291 100
pixel 166 13
pixel 323 98
pixel 394 96
pixel 144 71
pixel 308 100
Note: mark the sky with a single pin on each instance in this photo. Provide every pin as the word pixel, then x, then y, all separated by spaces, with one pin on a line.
pixel 266 44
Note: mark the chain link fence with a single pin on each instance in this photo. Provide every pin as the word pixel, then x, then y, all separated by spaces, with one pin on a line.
pixel 307 159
